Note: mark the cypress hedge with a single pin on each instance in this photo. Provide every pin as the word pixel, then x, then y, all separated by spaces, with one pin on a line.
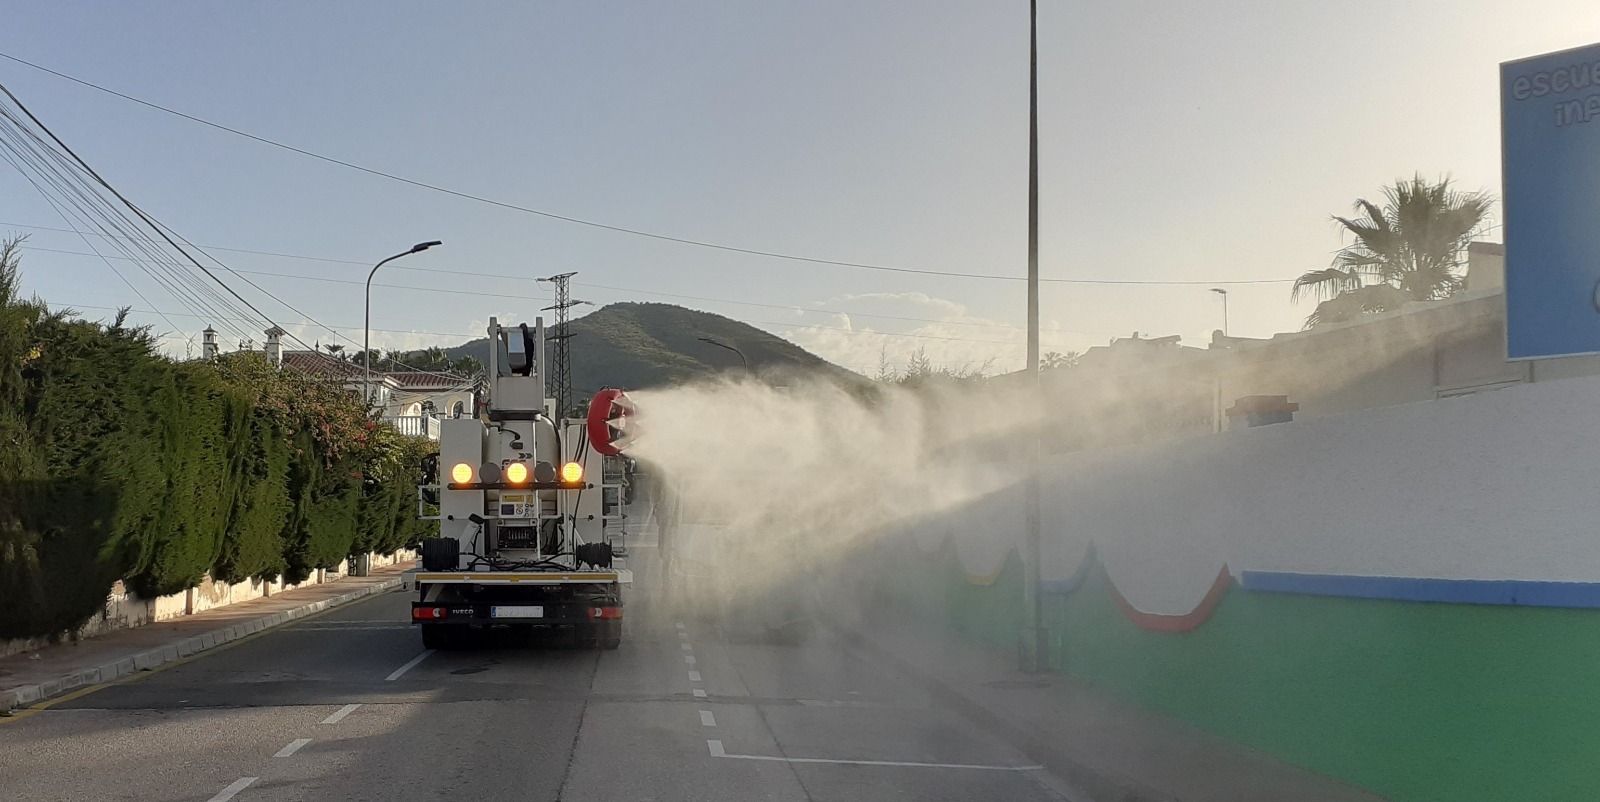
pixel 117 462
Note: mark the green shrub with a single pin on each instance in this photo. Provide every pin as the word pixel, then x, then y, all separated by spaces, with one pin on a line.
pixel 119 463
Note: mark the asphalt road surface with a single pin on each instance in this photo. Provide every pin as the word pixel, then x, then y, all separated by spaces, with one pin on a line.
pixel 349 706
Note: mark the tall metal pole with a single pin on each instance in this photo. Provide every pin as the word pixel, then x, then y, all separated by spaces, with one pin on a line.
pixel 1036 653
pixel 366 324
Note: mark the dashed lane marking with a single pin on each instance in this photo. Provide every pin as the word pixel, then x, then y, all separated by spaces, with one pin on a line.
pixel 293 747
pixel 339 715
pixel 706 719
pixel 718 751
pixel 408 666
pixel 686 647
pixel 689 659
pixel 238 785
pixel 694 676
pixel 699 694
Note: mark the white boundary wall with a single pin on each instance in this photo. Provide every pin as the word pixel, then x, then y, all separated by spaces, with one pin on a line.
pixel 1496 485
pixel 125 609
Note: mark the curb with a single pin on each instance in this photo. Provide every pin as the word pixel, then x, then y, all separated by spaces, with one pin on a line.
pixel 1098 785
pixel 12 698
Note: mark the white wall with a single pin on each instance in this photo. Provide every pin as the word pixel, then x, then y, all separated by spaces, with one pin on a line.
pixel 125 609
pixel 1496 485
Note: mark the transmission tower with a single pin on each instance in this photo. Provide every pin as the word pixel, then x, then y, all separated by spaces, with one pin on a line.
pixel 559 381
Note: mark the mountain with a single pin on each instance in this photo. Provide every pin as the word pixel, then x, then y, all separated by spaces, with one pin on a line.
pixel 635 345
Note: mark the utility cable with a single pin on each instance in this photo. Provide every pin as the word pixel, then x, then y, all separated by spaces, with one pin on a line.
pixel 591 223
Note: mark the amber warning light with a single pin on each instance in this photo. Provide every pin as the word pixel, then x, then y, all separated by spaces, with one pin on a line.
pixel 572 473
pixel 461 473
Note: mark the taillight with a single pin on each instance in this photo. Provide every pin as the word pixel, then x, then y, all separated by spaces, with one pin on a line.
pixel 429 613
pixel 606 613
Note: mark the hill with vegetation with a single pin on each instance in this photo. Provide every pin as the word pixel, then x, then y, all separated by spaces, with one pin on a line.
pixel 636 345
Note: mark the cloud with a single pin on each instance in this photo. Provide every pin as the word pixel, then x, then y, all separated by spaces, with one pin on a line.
pixel 950 338
pixel 915 299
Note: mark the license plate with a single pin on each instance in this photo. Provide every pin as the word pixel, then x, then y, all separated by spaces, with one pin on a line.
pixel 516 612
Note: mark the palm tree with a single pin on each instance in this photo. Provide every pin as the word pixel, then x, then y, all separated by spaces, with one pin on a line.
pixel 1410 250
pixel 1056 359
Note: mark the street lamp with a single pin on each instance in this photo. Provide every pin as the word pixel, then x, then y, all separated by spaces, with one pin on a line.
pixel 1036 649
pixel 730 348
pixel 366 326
pixel 1224 294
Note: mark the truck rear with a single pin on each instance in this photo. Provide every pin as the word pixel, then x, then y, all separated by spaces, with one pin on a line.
pixel 529 511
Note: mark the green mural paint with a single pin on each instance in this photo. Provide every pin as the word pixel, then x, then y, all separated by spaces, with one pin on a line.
pixel 1414 701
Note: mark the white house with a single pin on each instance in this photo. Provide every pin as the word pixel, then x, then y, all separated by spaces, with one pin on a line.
pixel 412 401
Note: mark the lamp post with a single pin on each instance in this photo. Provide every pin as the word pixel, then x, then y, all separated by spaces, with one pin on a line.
pixel 1224 294
pixel 1036 646
pixel 366 325
pixel 730 348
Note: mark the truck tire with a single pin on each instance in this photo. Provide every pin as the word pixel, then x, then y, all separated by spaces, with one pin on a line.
pixel 440 637
pixel 440 554
pixel 604 635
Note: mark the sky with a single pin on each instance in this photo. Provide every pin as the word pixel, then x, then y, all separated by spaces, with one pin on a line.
pixel 1179 142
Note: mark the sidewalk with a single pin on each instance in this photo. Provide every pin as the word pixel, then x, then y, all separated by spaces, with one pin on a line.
pixel 35 676
pixel 1108 749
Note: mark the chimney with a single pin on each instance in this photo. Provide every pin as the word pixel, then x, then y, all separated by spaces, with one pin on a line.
pixel 208 348
pixel 275 346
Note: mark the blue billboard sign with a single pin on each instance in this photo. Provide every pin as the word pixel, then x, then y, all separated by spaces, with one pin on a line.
pixel 1550 124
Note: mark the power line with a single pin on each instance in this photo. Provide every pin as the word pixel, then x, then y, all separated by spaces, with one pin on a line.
pixel 532 298
pixel 593 224
pixel 593 286
pixel 506 276
pixel 88 205
pixel 211 318
pixel 164 232
pixel 1105 282
pixel 125 202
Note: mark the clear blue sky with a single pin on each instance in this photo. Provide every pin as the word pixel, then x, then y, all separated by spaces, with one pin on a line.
pixel 1180 142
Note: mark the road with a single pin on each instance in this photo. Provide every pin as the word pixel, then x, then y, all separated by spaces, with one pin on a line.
pixel 348 706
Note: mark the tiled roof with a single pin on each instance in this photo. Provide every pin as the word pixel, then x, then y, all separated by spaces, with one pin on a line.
pixel 320 364
pixel 428 381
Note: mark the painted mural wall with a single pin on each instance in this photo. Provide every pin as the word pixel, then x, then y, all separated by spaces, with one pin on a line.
pixel 1400 598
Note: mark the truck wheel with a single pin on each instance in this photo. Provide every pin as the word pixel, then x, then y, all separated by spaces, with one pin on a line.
pixel 439 637
pixel 585 636
pixel 610 635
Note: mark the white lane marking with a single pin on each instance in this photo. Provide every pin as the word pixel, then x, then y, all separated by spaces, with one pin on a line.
pixel 706 719
pixel 408 666
pixel 689 659
pixel 718 751
pixel 680 626
pixel 238 785
pixel 686 647
pixel 699 694
pixel 694 676
pixel 339 715
pixel 683 636
pixel 293 747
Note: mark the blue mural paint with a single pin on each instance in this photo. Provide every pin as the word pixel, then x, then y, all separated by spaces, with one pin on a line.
pixel 1525 593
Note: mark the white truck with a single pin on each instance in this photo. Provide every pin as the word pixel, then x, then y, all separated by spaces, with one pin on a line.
pixel 529 510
